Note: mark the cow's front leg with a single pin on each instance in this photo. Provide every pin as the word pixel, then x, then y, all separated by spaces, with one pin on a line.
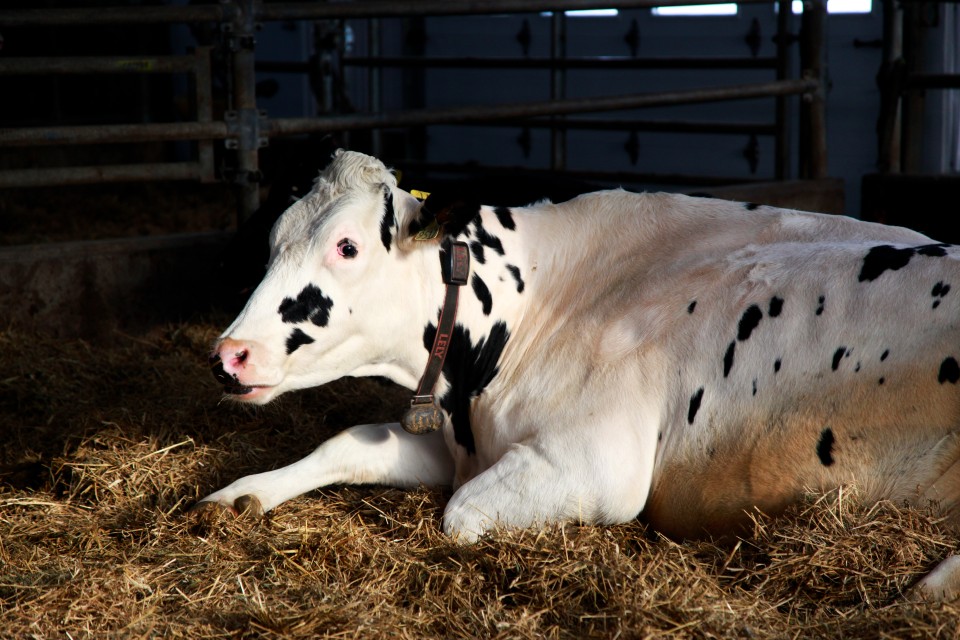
pixel 528 487
pixel 365 454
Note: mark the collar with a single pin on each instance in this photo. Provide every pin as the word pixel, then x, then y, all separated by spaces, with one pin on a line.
pixel 425 415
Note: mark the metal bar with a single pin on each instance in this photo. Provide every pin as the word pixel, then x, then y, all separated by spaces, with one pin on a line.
pixel 398 8
pixel 227 11
pixel 599 62
pixel 104 134
pixel 97 64
pixel 919 81
pixel 459 115
pixel 282 66
pixel 672 126
pixel 120 133
pixel 619 177
pixel 102 174
pixel 66 16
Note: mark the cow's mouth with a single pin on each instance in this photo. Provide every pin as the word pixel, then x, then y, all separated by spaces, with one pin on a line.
pixel 231 383
pixel 237 389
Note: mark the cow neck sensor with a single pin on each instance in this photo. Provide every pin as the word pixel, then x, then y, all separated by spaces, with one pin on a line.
pixel 425 415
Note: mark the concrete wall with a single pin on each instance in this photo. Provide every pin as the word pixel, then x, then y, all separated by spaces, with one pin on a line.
pixel 90 289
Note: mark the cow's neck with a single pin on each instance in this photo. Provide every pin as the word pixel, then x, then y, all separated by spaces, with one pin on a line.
pixel 490 306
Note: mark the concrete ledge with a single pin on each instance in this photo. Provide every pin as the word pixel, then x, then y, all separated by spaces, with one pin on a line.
pixel 89 289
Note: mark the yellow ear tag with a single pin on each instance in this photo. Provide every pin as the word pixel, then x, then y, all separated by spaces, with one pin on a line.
pixel 429 232
pixel 419 195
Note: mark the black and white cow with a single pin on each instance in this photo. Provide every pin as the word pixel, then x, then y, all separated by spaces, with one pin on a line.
pixel 679 358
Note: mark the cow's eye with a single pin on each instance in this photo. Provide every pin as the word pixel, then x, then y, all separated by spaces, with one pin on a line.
pixel 346 248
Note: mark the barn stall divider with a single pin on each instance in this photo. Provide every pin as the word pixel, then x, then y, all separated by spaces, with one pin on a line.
pixel 243 127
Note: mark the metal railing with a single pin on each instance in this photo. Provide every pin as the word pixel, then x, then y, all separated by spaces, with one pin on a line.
pixel 245 129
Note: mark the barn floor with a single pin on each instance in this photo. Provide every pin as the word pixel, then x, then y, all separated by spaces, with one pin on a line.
pixel 106 446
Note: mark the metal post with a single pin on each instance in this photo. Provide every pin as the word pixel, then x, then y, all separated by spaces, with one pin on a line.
pixel 245 118
pixel 374 80
pixel 782 138
pixel 890 81
pixel 912 102
pixel 813 129
pixel 203 90
pixel 558 89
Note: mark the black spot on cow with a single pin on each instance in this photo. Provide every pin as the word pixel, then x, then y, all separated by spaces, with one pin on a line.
pixel 449 209
pixel 748 322
pixel 820 304
pixel 940 290
pixel 949 371
pixel 482 293
pixel 296 340
pixel 310 303
pixel 459 217
pixel 477 250
pixel 883 258
pixel 751 206
pixel 825 447
pixel 837 356
pixel 881 381
pixel 883 356
pixel 695 400
pixel 937 250
pixel 486 238
pixel 469 367
pixel 728 359
pixel 754 386
pixel 776 307
pixel 776 365
pixel 505 218
pixel 691 306
pixel 388 219
pixel 856 369
pixel 515 272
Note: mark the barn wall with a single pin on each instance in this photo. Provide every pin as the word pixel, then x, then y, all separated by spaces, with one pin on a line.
pixel 91 289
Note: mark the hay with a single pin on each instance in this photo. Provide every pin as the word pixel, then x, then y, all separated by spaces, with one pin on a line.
pixel 107 446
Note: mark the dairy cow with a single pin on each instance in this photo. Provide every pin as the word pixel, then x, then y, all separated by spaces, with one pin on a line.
pixel 683 359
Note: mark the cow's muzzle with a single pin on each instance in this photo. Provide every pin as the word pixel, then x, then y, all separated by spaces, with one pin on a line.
pixel 231 384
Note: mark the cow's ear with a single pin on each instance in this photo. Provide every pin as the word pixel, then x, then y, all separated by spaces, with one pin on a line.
pixel 410 218
pixel 440 215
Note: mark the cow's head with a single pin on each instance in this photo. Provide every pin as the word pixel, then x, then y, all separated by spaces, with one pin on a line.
pixel 338 292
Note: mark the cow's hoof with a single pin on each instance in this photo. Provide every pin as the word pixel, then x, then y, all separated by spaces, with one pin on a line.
pixel 248 505
pixel 208 512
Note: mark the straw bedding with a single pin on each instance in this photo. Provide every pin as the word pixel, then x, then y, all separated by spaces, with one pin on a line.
pixel 105 447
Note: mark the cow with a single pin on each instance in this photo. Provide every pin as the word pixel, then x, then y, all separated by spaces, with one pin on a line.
pixel 682 359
